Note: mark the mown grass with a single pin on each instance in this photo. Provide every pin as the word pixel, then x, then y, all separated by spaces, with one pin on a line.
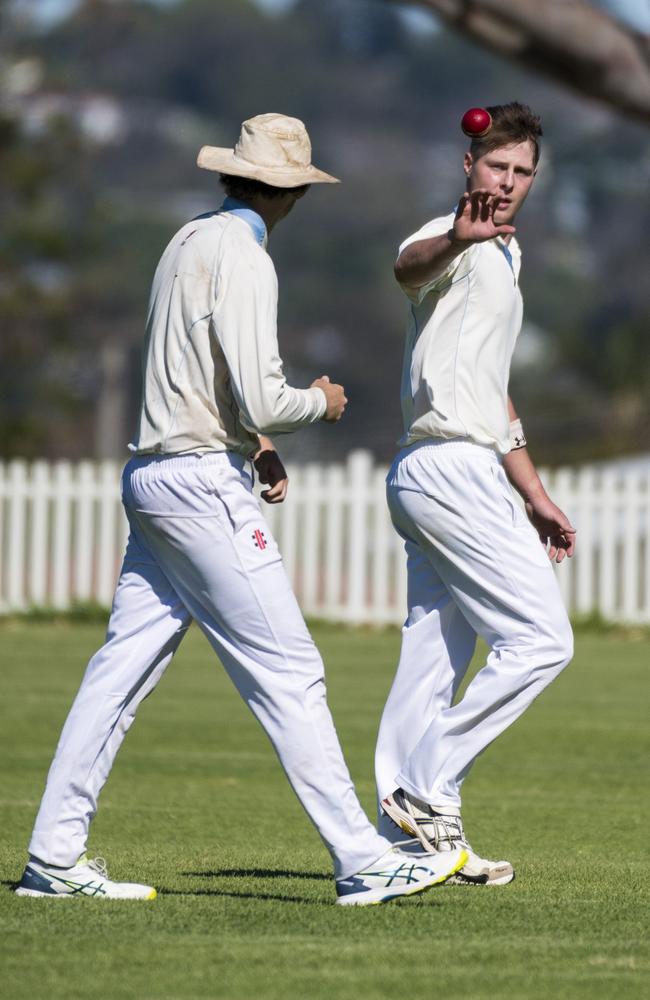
pixel 197 805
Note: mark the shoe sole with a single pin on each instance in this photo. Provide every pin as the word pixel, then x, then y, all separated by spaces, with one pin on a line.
pixel 20 891
pixel 374 897
pixel 399 817
pixel 460 879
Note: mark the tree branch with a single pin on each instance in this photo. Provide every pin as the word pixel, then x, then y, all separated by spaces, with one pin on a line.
pixel 568 40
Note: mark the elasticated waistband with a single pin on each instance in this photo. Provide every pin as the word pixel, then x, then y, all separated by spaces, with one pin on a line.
pixel 188 460
pixel 451 444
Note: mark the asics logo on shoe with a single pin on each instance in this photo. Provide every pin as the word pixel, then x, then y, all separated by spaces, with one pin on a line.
pixel 87 889
pixel 405 873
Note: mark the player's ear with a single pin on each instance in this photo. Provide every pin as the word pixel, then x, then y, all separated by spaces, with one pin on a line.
pixel 468 163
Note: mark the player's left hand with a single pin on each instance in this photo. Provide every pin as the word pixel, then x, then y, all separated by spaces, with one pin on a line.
pixel 271 471
pixel 553 527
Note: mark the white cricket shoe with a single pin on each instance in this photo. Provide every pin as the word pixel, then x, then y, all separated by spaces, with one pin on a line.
pixel 397 873
pixel 86 878
pixel 442 832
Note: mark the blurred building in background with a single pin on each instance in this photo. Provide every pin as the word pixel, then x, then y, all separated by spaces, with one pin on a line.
pixel 103 107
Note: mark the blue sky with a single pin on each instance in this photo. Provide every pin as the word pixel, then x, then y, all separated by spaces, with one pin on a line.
pixel 635 12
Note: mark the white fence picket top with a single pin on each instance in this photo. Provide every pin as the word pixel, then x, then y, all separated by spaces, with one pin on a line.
pixel 635 497
pixel 108 560
pixel 311 538
pixel 38 533
pixel 85 524
pixel 584 572
pixel 382 537
pixel 608 543
pixel 333 542
pixel 17 488
pixel 359 539
pixel 63 533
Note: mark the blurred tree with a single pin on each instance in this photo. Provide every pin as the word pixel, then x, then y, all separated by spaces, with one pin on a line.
pixel 101 118
pixel 39 247
pixel 569 40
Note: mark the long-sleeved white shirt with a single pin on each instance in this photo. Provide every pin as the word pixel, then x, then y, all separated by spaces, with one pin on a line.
pixel 213 375
pixel 462 331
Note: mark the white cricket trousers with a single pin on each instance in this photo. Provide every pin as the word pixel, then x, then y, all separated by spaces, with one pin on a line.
pixel 475 567
pixel 200 549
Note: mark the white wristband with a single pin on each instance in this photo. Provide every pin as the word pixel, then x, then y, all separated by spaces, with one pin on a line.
pixel 517 436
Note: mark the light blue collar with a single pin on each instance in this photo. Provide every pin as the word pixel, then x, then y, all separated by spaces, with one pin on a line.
pixel 249 215
pixel 507 253
pixel 503 247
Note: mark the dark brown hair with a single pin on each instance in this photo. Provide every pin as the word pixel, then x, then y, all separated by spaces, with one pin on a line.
pixel 511 123
pixel 244 188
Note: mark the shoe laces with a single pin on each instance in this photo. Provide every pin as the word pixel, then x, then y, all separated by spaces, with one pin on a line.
pixel 448 832
pixel 444 831
pixel 98 865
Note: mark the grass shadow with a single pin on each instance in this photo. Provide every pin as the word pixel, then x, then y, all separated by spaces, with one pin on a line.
pixel 224 893
pixel 12 886
pixel 257 873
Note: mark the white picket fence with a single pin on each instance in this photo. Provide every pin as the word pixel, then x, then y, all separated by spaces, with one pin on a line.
pixel 63 532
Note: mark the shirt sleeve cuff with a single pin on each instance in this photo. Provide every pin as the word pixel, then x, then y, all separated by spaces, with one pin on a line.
pixel 320 402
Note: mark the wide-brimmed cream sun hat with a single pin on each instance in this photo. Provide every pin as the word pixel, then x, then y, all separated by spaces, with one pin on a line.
pixel 272 148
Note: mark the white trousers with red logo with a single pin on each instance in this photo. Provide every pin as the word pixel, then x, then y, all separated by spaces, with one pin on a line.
pixel 200 549
pixel 475 567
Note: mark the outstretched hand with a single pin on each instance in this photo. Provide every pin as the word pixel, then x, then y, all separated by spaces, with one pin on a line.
pixel 271 472
pixel 474 222
pixel 553 527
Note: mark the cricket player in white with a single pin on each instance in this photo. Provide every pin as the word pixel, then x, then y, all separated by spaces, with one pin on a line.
pixel 199 547
pixel 475 563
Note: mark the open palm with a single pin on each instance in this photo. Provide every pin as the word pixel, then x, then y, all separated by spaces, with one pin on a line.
pixel 474 220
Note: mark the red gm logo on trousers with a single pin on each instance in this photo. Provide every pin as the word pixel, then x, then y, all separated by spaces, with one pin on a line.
pixel 259 539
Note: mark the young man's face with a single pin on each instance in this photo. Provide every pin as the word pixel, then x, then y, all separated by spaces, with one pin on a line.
pixel 507 172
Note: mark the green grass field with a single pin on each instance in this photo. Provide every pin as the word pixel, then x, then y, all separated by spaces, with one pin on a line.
pixel 197 805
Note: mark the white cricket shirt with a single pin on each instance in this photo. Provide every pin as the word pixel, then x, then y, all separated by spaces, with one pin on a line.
pixel 213 375
pixel 462 331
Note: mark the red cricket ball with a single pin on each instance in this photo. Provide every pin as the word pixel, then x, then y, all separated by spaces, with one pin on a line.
pixel 476 123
